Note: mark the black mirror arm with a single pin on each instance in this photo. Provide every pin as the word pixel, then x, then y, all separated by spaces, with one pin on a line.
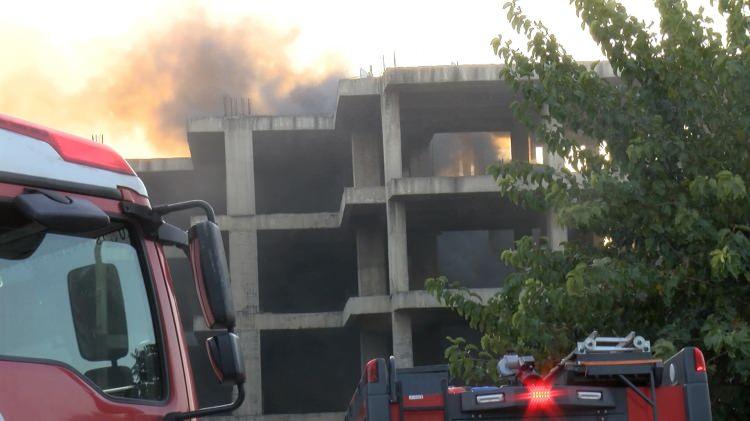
pixel 190 204
pixel 213 410
pixel 166 233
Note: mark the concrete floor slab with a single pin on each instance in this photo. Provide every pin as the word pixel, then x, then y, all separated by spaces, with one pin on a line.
pixel 285 321
pixel 161 164
pixel 419 186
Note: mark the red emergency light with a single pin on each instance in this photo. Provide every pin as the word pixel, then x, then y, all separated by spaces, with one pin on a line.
pixel 538 395
pixel 700 361
pixel 540 398
pixel 372 371
pixel 71 148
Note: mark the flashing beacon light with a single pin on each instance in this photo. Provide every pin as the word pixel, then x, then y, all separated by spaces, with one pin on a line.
pixel 540 398
pixel 539 395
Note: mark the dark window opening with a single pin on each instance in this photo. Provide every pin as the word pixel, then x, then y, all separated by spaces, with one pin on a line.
pixel 300 173
pixel 308 370
pixel 302 271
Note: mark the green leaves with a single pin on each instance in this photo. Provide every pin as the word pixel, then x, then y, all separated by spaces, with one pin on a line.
pixel 653 188
pixel 574 280
pixel 729 187
pixel 664 348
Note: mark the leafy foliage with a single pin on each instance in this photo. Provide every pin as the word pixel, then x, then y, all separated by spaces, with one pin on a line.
pixel 666 205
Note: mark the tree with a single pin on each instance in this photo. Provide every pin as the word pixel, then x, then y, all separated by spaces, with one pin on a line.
pixel 660 192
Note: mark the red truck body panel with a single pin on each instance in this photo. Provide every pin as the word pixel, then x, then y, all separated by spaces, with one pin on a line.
pixel 671 404
pixel 31 391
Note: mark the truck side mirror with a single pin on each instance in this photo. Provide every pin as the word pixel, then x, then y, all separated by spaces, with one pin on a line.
pixel 209 262
pixel 211 274
pixel 226 357
pixel 98 309
pixel 227 363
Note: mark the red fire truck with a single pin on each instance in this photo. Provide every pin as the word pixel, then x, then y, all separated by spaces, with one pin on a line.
pixel 604 378
pixel 89 328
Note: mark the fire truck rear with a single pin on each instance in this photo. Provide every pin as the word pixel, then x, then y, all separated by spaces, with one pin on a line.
pixel 604 378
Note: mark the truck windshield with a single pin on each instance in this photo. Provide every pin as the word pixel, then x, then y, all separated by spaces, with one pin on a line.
pixel 82 302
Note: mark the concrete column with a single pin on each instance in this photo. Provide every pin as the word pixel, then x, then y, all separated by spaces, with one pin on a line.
pixel 556 234
pixel 367 158
pixel 519 142
pixel 238 144
pixel 398 260
pixel 402 339
pixel 371 262
pixel 243 254
pixel 250 345
pixel 390 114
pixel 398 267
pixel 243 245
pixel 372 345
pixel 243 269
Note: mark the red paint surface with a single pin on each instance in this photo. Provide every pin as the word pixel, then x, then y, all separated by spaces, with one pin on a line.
pixel 412 408
pixel 437 415
pixel 43 392
pixel 130 195
pixel 156 254
pixel 670 404
pixel 200 286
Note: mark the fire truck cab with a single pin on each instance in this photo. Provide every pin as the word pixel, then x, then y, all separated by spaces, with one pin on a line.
pixel 604 378
pixel 89 327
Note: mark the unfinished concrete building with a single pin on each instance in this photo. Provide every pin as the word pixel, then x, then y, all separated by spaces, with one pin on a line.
pixel 333 223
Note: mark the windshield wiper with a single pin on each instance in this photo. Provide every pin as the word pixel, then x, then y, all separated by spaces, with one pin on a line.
pixel 24 231
pixel 21 242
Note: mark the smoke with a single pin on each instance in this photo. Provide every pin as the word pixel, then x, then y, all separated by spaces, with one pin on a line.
pixel 140 98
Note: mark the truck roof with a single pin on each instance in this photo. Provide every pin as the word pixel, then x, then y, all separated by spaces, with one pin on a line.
pixel 34 155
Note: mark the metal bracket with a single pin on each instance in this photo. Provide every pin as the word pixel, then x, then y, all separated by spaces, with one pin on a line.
pixel 155 226
pixel 596 343
pixel 152 218
pixel 652 400
pixel 214 410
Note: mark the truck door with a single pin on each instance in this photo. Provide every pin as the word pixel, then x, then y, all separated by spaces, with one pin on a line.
pixel 79 335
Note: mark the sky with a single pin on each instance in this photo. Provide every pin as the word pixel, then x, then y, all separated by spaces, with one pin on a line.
pixel 126 69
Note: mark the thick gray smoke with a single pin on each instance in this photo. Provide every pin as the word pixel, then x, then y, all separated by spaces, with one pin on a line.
pixel 173 73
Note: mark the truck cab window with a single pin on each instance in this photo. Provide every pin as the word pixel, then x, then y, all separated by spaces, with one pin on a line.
pixel 83 302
